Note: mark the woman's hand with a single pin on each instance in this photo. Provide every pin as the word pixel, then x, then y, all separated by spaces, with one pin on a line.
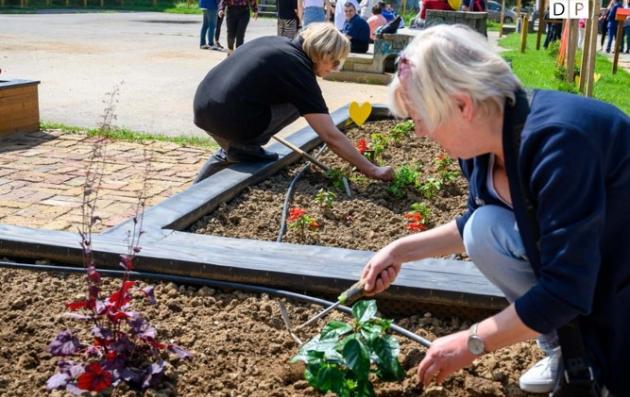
pixel 380 271
pixel 381 173
pixel 445 356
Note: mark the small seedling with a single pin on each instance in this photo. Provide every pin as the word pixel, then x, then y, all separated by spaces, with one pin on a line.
pixel 418 217
pixel 344 355
pixel 404 177
pixel 379 143
pixel 299 220
pixel 442 165
pixel 401 130
pixel 336 177
pixel 430 187
pixel 325 198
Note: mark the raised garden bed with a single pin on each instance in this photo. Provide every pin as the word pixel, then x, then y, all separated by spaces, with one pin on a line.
pixel 377 213
pixel 238 340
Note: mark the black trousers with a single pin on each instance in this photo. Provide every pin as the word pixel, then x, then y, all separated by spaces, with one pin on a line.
pixel 217 31
pixel 237 18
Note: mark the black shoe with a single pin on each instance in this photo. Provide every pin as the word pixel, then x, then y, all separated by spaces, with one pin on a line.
pixel 215 163
pixel 253 155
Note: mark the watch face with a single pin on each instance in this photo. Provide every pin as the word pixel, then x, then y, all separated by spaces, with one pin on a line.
pixel 476 345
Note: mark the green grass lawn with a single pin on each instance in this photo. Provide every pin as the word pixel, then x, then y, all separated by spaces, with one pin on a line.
pixel 536 70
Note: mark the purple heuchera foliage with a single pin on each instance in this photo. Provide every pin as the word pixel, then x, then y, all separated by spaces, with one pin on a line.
pixel 64 344
pixel 153 373
pixel 181 353
pixel 142 329
pixel 57 380
pixel 102 332
pixel 150 294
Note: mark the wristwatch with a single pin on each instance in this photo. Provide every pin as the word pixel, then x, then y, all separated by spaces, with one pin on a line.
pixel 475 344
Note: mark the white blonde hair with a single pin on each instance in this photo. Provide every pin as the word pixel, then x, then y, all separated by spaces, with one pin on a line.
pixel 323 40
pixel 446 60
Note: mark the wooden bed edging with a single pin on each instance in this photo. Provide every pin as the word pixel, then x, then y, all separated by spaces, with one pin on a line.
pixel 315 270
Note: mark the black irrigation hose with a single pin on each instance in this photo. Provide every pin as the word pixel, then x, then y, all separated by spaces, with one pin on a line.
pixel 287 198
pixel 209 283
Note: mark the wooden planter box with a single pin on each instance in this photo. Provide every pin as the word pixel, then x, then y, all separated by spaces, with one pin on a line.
pixel 19 106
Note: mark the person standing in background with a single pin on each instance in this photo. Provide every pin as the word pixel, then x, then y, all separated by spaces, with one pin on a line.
pixel 356 29
pixel 376 21
pixel 314 11
pixel 612 22
pixel 217 33
pixel 208 26
pixel 237 14
pixel 288 17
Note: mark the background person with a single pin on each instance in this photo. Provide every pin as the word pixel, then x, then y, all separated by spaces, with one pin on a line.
pixel 315 11
pixel 375 21
pixel 356 29
pixel 210 10
pixel 264 86
pixel 237 18
pixel 565 258
pixel 288 17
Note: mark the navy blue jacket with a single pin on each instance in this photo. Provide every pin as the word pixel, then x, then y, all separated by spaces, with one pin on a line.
pixel 209 4
pixel 574 166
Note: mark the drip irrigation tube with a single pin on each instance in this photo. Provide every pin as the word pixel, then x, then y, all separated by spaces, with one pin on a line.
pixel 209 283
pixel 287 198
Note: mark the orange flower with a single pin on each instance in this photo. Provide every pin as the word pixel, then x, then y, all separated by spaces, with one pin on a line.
pixel 295 213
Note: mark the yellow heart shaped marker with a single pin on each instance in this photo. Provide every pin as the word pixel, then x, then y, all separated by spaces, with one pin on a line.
pixel 596 77
pixel 360 113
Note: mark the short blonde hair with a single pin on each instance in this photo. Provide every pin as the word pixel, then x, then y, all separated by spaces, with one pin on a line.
pixel 446 60
pixel 322 40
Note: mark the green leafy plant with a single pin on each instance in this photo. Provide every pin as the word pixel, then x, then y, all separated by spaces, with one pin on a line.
pixel 336 177
pixel 344 355
pixel 430 187
pixel 443 164
pixel 325 199
pixel 379 142
pixel 401 130
pixel 404 177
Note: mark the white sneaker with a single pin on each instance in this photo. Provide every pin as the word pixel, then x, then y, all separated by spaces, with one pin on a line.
pixel 542 377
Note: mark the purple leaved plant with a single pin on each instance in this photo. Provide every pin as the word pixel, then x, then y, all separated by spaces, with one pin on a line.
pixel 122 345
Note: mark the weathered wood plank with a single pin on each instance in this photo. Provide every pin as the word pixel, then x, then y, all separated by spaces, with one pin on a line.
pixel 311 269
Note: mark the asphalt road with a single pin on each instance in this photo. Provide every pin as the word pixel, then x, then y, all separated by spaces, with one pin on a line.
pixel 153 57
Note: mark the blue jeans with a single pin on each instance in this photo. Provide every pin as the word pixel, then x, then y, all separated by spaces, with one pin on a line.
pixel 626 34
pixel 313 14
pixel 208 26
pixel 494 244
pixel 612 32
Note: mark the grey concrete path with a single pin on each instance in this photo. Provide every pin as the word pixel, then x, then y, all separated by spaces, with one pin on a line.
pixel 80 57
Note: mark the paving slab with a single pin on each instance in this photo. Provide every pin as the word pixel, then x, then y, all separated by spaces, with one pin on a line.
pixel 51 199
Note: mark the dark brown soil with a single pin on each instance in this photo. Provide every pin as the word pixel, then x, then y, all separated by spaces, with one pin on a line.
pixel 368 221
pixel 238 340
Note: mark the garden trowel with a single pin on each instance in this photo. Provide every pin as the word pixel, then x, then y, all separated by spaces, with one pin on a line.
pixel 356 291
pixel 346 184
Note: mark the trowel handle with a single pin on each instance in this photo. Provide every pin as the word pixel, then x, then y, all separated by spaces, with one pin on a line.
pixel 353 293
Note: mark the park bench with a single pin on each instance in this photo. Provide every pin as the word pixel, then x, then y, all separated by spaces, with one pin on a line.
pixel 375 67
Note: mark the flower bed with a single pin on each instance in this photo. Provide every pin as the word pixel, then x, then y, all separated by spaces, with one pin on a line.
pixel 238 341
pixel 429 191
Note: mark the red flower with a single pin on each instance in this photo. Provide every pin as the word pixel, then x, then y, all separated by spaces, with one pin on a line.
pixel 295 213
pixel 95 378
pixel 76 305
pixel 362 146
pixel 415 221
pixel 416 227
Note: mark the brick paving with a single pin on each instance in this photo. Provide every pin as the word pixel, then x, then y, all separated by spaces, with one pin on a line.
pixel 42 176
